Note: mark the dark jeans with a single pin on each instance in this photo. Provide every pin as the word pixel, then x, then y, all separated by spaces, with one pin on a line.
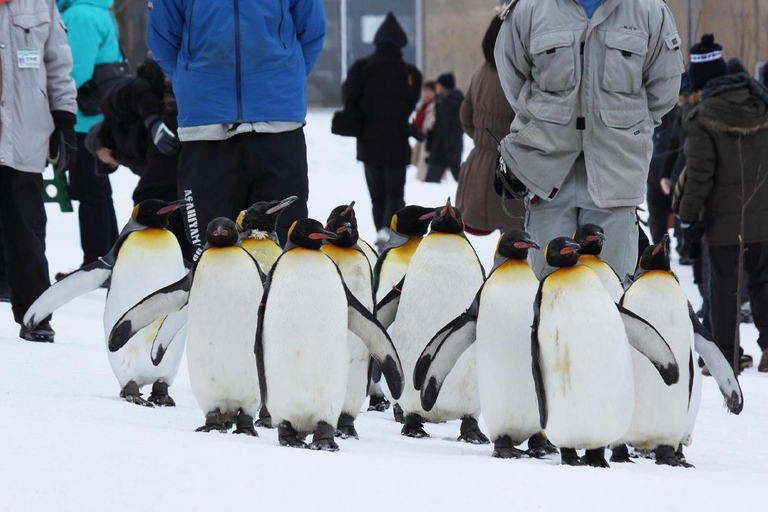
pixel 435 171
pixel 386 185
pixel 222 178
pixel 23 219
pixel 659 207
pixel 724 260
pixel 98 224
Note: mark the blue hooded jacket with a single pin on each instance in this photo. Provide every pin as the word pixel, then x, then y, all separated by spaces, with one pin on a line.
pixel 237 60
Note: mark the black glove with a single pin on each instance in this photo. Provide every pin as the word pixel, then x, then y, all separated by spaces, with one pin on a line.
pixel 162 137
pixel 693 232
pixel 415 133
pixel 62 148
pixel 506 184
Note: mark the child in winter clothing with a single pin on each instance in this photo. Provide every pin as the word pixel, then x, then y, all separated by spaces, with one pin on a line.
pixel 445 142
pixel 422 123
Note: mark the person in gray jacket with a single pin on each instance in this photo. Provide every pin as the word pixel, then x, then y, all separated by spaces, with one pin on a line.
pixel 37 120
pixel 588 80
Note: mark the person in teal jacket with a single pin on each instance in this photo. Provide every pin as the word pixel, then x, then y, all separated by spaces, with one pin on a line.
pixel 93 38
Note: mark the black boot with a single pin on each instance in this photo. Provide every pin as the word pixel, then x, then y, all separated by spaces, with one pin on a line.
pixel 213 421
pixel 378 403
pixel 569 457
pixel 503 448
pixel 413 427
pixel 323 438
pixel 288 436
pixel 397 411
pixel 160 396
pixel 470 432
pixel 132 394
pixel 620 454
pixel 265 419
pixel 539 446
pixel 595 458
pixel 244 424
pixel 346 427
pixel 43 333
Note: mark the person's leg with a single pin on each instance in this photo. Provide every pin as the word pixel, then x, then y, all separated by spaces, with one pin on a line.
pixel 395 190
pixel 375 177
pixel 723 260
pixel 659 206
pixel 434 173
pixel 23 218
pixel 276 164
pixel 5 290
pixel 96 213
pixel 756 263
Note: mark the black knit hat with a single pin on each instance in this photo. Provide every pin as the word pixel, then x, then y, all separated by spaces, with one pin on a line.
pixel 706 62
pixel 447 80
pixel 390 32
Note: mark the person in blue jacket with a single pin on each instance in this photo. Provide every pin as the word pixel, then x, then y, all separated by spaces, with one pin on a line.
pixel 92 36
pixel 239 73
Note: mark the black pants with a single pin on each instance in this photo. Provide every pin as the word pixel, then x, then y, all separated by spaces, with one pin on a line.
pixel 435 171
pixel 23 219
pixel 659 207
pixel 386 185
pixel 222 178
pixel 98 224
pixel 724 260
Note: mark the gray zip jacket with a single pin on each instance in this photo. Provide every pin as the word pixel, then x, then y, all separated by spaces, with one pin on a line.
pixel 596 86
pixel 35 63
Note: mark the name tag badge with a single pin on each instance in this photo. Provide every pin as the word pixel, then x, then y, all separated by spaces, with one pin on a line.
pixel 28 59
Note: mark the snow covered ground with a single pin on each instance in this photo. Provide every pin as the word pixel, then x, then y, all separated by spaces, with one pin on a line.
pixel 67 442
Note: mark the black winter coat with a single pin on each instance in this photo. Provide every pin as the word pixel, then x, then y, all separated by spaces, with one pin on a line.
pixel 445 142
pixel 383 90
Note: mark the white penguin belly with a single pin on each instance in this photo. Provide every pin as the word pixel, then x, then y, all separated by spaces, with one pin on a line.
pixel 443 278
pixel 585 361
pixel 306 352
pixel 661 411
pixel 148 260
pixel 223 314
pixel 504 378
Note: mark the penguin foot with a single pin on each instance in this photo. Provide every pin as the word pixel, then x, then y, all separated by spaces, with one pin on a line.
pixel 569 457
pixel 378 403
pixel 323 438
pixel 539 446
pixel 471 433
pixel 504 448
pixel 413 426
pixel 595 458
pixel 132 395
pixel 666 456
pixel 265 419
pixel 681 457
pixel 244 425
pixel 287 436
pixel 213 421
pixel 160 396
pixel 398 413
pixel 346 427
pixel 620 454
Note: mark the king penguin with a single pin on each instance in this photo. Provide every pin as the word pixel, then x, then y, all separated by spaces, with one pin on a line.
pixel 444 276
pixel 590 238
pixel 221 293
pixel 660 420
pixel 356 271
pixel 257 227
pixel 507 393
pixel 580 347
pixel 302 348
pixel 145 258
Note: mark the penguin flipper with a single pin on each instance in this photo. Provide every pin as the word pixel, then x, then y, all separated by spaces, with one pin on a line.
pixel 386 310
pixel 83 280
pixel 716 363
pixel 365 325
pixel 538 378
pixel 162 303
pixel 644 338
pixel 167 333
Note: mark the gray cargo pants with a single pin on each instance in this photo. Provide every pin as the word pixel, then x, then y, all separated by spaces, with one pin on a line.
pixel 573 207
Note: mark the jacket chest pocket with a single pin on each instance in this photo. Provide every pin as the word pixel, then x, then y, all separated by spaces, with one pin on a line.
pixel 624 59
pixel 29 33
pixel 554 61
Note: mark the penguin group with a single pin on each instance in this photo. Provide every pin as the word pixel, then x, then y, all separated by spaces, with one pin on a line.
pixel 297 336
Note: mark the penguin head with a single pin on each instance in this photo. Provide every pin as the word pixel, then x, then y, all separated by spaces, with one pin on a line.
pixel 656 257
pixel 448 220
pixel 309 234
pixel 562 252
pixel 221 232
pixel 262 216
pixel 343 223
pixel 590 237
pixel 154 213
pixel 412 220
pixel 514 245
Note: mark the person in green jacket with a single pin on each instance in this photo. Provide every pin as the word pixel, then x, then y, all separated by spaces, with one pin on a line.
pixel 92 36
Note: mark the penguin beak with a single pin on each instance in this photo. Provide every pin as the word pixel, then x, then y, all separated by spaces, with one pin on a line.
pixel 661 246
pixel 428 215
pixel 323 235
pixel 448 209
pixel 570 248
pixel 346 227
pixel 172 207
pixel 595 237
pixel 220 232
pixel 526 244
pixel 348 209
pixel 281 205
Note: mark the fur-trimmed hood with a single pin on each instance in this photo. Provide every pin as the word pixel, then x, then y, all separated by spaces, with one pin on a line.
pixel 735 104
